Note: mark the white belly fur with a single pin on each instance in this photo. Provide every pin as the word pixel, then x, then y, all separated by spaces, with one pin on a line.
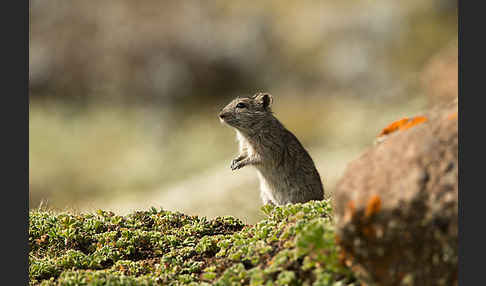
pixel 265 190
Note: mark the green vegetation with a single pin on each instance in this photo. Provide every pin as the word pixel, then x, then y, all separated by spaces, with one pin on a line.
pixel 294 245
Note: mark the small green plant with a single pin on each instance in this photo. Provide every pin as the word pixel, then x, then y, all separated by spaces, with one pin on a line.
pixel 294 245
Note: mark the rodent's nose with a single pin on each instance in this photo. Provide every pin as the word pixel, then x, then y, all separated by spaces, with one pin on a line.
pixel 222 115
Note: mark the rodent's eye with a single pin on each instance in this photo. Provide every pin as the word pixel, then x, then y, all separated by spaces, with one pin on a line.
pixel 241 105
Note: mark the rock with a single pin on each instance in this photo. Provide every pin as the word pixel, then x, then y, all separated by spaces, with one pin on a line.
pixel 396 206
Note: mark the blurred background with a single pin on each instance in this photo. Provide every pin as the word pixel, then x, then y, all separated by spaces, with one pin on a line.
pixel 124 95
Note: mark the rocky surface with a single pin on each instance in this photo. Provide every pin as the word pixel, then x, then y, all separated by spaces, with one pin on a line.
pixel 397 206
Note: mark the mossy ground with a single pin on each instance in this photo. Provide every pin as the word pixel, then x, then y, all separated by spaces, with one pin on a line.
pixel 294 245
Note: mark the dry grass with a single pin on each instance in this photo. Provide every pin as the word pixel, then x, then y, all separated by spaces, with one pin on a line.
pixel 120 158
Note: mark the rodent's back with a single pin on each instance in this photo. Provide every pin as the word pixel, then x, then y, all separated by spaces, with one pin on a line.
pixel 289 171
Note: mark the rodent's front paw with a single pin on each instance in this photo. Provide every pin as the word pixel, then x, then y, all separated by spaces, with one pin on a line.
pixel 236 164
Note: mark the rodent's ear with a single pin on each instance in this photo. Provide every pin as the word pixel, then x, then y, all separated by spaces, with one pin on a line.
pixel 265 99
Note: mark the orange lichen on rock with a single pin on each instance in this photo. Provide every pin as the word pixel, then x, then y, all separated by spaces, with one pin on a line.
pixel 412 122
pixel 393 126
pixel 373 206
pixel 402 124
pixel 368 231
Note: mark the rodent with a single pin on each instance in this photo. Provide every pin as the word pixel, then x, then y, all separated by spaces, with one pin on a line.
pixel 286 171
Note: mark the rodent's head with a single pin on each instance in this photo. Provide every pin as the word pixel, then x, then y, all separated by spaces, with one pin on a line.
pixel 244 113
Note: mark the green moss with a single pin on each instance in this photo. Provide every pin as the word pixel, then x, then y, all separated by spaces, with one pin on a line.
pixel 294 245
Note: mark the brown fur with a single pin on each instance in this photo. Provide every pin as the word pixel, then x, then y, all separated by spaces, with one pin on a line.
pixel 286 171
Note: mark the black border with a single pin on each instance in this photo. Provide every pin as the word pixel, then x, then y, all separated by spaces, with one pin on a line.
pixel 14 24
pixel 471 240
